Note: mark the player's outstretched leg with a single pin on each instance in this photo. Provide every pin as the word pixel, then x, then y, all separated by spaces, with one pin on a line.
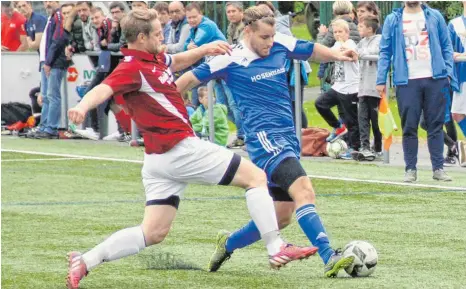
pixel 262 211
pixel 126 242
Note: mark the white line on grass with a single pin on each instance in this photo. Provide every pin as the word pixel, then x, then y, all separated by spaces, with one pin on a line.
pixel 311 176
pixel 40 160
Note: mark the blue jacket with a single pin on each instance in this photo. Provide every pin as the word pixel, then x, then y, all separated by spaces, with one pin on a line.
pixel 393 45
pixel 206 32
pixel 460 67
pixel 56 42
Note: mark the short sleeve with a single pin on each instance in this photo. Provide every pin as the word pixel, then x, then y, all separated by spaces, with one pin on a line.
pixel 295 48
pixel 214 68
pixel 124 79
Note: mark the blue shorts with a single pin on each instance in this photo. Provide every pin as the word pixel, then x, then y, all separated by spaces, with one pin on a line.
pixel 268 150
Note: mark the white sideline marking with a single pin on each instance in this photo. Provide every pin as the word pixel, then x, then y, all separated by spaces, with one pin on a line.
pixel 40 160
pixel 311 176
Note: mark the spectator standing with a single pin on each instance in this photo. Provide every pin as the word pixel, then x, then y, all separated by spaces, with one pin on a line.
pixel 179 30
pixel 164 17
pixel 53 70
pixel 34 25
pixel 13 32
pixel 89 33
pixel 117 9
pixel 235 17
pixel 139 5
pixel 416 41
pixel 366 9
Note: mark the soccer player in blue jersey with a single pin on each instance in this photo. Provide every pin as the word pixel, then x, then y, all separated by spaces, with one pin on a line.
pixel 256 75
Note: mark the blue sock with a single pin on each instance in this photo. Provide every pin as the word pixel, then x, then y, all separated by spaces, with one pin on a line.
pixel 312 226
pixel 462 125
pixel 243 237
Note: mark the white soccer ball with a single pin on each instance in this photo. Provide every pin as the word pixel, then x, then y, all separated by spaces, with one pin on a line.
pixel 334 149
pixel 365 258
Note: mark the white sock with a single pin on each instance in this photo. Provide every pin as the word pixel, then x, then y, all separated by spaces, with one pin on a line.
pixel 262 211
pixel 121 244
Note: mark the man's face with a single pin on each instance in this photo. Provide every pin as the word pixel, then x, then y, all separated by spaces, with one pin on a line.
pixel 413 4
pixel 194 18
pixel 66 11
pixel 24 8
pixel 164 17
pixel 117 14
pixel 7 10
pixel 97 19
pixel 138 5
pixel 261 39
pixel 340 33
pixel 154 40
pixel 234 15
pixel 84 11
pixel 176 11
pixel 50 6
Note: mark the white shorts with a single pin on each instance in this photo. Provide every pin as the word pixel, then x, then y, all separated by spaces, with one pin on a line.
pixel 458 104
pixel 192 160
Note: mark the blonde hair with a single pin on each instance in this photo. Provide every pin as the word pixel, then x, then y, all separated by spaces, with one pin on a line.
pixel 202 91
pixel 136 22
pixel 256 13
pixel 342 7
pixel 341 24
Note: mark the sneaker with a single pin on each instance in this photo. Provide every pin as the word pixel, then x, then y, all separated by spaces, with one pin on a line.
pixel 137 143
pixel 462 153
pixel 76 270
pixel 290 253
pixel 125 137
pixel 336 263
pixel 449 161
pixel 32 132
pixel 113 137
pixel 378 156
pixel 348 155
pixel 45 135
pixel 88 133
pixel 364 155
pixel 440 175
pixel 410 176
pixel 237 143
pixel 220 254
pixel 337 133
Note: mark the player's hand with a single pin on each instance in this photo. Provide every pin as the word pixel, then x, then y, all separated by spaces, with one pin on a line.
pixel 323 29
pixel 380 88
pixel 217 48
pixel 163 48
pixel 191 46
pixel 4 48
pixel 47 70
pixel 76 115
pixel 347 55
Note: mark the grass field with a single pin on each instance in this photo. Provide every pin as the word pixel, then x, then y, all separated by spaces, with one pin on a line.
pixel 52 206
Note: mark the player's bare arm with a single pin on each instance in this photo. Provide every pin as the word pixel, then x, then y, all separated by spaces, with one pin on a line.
pixel 185 59
pixel 186 82
pixel 324 54
pixel 91 100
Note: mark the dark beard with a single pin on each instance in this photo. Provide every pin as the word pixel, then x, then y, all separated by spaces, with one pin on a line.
pixel 413 4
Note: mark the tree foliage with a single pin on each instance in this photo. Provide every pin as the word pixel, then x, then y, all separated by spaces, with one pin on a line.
pixel 449 9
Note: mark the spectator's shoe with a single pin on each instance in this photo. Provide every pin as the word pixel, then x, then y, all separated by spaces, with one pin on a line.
pixel 348 155
pixel 88 133
pixel 364 155
pixel 77 270
pixel 125 137
pixel 290 253
pixel 137 143
pixel 449 161
pixel 237 143
pixel 45 135
pixel 410 176
pixel 32 132
pixel 69 135
pixel 337 133
pixel 462 153
pixel 378 156
pixel 113 137
pixel 440 175
pixel 336 263
pixel 220 254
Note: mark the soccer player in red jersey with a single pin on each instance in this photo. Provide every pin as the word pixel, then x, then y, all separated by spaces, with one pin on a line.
pixel 13 32
pixel 174 156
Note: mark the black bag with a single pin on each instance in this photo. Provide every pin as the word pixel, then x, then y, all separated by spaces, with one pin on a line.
pixel 13 112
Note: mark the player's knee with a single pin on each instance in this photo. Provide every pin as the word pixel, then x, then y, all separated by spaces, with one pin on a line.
pixel 305 193
pixel 155 236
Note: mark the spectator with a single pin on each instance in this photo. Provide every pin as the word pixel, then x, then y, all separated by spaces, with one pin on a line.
pixel 235 17
pixel 368 8
pixel 103 27
pixel 89 33
pixel 369 97
pixel 187 103
pixel 139 5
pixel 416 38
pixel 179 31
pixel 13 33
pixel 117 9
pixel 34 26
pixel 66 10
pixel 344 92
pixel 164 17
pixel 53 71
pixel 200 118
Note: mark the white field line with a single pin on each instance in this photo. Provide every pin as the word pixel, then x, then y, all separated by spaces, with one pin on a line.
pixel 311 176
pixel 40 160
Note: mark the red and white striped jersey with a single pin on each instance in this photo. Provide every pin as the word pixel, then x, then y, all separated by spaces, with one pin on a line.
pixel 152 100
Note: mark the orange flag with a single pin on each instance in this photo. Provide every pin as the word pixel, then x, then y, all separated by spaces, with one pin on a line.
pixel 386 122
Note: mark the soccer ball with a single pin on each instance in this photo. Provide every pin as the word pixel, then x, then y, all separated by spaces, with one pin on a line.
pixel 365 258
pixel 334 149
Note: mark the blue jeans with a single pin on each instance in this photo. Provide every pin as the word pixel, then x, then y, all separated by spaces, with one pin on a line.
pixel 224 96
pixel 45 102
pixel 51 108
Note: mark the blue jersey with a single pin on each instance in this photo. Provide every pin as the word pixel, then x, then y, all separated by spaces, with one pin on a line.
pixel 35 24
pixel 259 85
pixel 457 29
